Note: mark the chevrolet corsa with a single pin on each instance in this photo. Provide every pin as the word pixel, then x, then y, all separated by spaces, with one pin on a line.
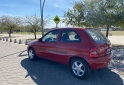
pixel 81 49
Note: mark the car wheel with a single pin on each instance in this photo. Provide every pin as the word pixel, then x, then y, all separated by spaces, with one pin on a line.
pixel 79 68
pixel 32 54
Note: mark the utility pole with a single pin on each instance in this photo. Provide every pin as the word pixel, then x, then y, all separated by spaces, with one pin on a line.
pixel 41 10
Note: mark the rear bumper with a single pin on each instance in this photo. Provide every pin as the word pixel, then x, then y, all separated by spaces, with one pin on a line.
pixel 98 63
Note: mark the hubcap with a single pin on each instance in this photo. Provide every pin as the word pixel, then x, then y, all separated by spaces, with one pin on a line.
pixel 31 54
pixel 78 68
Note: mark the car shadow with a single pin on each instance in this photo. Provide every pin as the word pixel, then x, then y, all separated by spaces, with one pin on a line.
pixel 45 72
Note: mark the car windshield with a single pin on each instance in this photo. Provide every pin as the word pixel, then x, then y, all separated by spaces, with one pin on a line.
pixel 97 36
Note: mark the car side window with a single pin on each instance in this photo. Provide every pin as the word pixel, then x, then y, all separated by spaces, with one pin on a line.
pixel 70 36
pixel 51 36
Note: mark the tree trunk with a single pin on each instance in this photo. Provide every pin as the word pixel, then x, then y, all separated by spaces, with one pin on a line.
pixel 35 33
pixel 107 31
pixel 9 34
pixel 10 31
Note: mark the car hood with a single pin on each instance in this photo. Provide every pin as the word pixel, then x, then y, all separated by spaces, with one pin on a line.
pixel 33 42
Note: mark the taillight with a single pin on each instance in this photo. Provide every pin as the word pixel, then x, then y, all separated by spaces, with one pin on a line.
pixel 98 51
pixel 93 52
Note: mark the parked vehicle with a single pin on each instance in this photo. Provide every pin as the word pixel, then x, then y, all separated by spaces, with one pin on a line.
pixel 80 48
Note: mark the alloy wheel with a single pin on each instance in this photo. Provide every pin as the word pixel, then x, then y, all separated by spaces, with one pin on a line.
pixel 78 68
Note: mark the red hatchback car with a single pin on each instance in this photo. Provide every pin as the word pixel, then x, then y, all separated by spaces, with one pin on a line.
pixel 80 48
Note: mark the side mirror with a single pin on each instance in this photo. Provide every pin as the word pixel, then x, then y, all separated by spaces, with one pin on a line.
pixel 40 39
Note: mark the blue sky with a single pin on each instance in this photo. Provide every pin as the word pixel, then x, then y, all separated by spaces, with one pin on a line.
pixel 30 7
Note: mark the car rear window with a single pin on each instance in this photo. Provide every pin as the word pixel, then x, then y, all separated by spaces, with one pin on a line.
pixel 97 36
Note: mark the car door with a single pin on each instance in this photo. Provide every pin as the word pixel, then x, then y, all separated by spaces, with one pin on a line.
pixel 47 46
pixel 69 44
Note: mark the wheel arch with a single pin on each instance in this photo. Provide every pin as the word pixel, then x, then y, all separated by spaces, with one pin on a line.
pixel 30 47
pixel 77 57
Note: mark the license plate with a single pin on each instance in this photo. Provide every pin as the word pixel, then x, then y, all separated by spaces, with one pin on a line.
pixel 108 51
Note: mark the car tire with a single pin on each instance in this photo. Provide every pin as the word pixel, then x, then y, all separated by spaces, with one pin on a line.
pixel 31 54
pixel 79 68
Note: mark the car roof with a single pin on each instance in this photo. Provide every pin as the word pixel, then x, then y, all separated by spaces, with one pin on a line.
pixel 77 28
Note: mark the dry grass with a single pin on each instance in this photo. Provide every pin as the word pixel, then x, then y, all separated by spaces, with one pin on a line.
pixel 117 46
pixel 116 33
